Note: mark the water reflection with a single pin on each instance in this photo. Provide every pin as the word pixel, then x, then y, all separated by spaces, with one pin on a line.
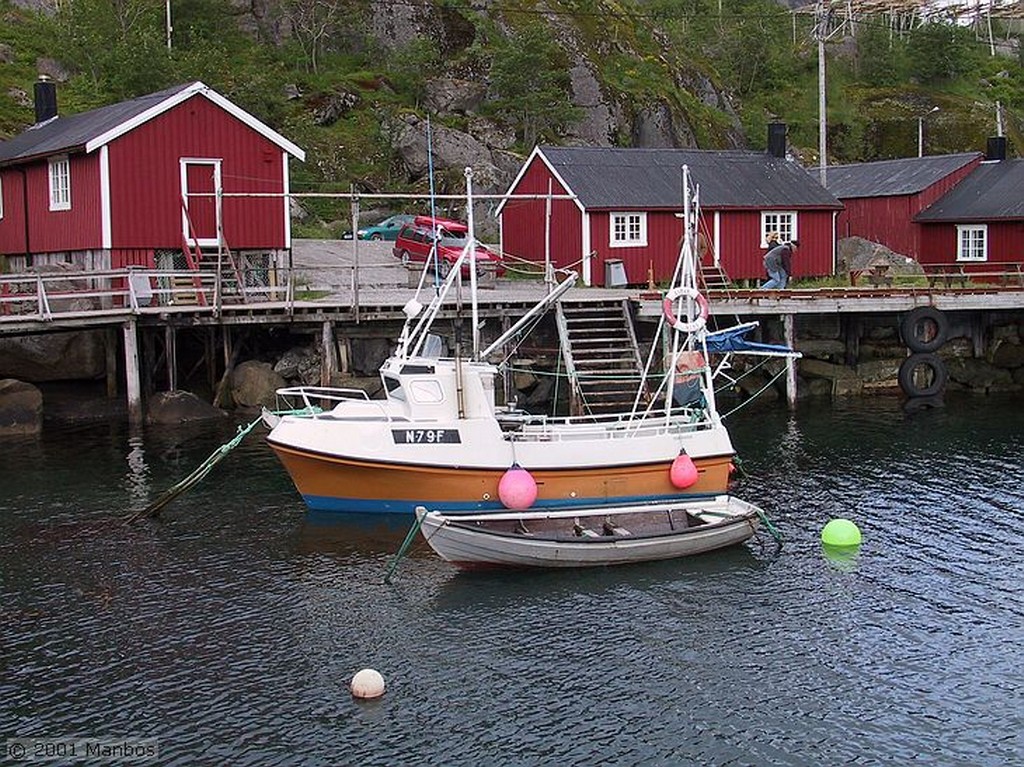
pixel 137 478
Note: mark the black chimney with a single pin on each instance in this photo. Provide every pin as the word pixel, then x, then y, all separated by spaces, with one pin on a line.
pixel 777 139
pixel 46 99
pixel 996 148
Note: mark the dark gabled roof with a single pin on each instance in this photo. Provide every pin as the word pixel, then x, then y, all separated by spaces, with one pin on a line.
pixel 993 191
pixel 69 134
pixel 85 131
pixel 888 178
pixel 652 178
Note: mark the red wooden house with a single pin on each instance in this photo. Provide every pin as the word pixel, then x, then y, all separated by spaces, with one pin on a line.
pixel 624 205
pixel 137 183
pixel 981 221
pixel 881 198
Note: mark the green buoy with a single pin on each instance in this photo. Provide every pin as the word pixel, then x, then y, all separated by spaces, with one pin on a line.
pixel 841 533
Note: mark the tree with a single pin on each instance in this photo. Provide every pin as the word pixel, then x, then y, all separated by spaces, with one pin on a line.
pixel 939 51
pixel 530 75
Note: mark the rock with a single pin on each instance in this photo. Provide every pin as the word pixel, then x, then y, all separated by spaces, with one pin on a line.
pixel 21 408
pixel 6 54
pixel 329 108
pixel 657 127
pixel 855 254
pixel 254 384
pixel 1008 355
pixel 445 95
pixel 172 407
pixel 368 354
pixel 53 356
pixel 301 363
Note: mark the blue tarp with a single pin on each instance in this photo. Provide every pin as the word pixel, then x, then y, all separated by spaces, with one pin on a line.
pixel 732 340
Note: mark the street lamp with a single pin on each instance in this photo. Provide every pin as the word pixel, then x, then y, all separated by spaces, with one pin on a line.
pixel 920 130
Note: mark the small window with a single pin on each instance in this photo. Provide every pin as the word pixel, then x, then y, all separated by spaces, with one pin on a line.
pixel 627 230
pixel 972 242
pixel 60 184
pixel 782 222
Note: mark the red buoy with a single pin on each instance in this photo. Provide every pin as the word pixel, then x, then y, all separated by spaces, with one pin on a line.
pixel 517 489
pixel 683 472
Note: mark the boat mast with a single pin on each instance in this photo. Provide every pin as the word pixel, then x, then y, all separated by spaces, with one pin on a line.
pixel 472 264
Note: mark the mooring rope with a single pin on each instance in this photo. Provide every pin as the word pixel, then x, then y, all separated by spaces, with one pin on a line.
pixel 415 528
pixel 200 472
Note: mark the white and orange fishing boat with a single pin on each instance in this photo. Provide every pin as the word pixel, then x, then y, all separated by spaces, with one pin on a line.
pixel 439 439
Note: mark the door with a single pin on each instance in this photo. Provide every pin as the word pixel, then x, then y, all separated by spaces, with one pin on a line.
pixel 200 217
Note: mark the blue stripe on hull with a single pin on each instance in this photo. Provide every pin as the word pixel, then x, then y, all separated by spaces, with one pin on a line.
pixel 402 506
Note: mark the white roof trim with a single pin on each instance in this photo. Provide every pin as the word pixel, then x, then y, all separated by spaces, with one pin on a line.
pixel 187 93
pixel 522 171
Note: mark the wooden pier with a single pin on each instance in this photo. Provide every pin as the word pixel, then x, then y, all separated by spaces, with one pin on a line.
pixel 135 301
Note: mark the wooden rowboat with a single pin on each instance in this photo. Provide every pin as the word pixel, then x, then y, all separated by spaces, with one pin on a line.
pixel 592 536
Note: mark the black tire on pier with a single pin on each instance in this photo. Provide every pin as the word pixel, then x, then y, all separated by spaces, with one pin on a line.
pixel 923 375
pixel 924 329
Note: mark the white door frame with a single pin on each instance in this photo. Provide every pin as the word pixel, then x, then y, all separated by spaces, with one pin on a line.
pixel 184 163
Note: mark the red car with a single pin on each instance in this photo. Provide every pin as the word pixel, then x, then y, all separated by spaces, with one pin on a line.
pixel 414 241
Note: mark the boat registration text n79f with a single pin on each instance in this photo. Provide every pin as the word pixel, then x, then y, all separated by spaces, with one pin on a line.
pixel 425 436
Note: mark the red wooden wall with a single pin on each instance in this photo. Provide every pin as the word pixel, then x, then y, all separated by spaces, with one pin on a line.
pixel 145 178
pixel 522 222
pixel 12 225
pixel 51 230
pixel 740 253
pixel 1005 243
pixel 888 220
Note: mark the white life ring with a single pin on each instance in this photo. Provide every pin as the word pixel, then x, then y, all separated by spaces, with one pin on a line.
pixel 692 324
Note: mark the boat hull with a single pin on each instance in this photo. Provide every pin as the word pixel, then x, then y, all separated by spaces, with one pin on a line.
pixel 589 537
pixel 342 484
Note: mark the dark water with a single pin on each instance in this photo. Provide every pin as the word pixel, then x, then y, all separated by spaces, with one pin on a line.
pixel 228 630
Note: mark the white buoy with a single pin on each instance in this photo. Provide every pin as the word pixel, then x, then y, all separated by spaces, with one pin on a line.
pixel 367 683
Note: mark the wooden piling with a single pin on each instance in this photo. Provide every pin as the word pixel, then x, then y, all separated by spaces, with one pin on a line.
pixel 328 363
pixel 133 384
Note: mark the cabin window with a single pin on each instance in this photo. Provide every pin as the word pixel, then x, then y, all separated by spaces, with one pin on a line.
pixel 972 243
pixel 394 387
pixel 628 230
pixel 782 222
pixel 60 184
pixel 427 392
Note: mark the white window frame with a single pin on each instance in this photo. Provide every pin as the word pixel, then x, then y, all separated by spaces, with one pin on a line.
pixel 1 198
pixel 627 229
pixel 781 221
pixel 972 242
pixel 60 183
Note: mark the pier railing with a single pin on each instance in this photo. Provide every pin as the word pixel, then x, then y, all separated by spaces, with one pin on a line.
pixel 46 295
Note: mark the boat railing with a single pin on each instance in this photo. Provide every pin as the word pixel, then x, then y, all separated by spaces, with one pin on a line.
pixel 317 399
pixel 525 427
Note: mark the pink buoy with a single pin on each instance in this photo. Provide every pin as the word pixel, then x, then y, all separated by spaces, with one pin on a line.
pixel 517 488
pixel 683 472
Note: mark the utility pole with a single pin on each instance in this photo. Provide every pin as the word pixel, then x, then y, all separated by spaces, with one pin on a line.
pixel 167 5
pixel 819 34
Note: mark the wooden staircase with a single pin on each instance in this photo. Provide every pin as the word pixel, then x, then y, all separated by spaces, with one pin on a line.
pixel 713 277
pixel 601 356
pixel 199 288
